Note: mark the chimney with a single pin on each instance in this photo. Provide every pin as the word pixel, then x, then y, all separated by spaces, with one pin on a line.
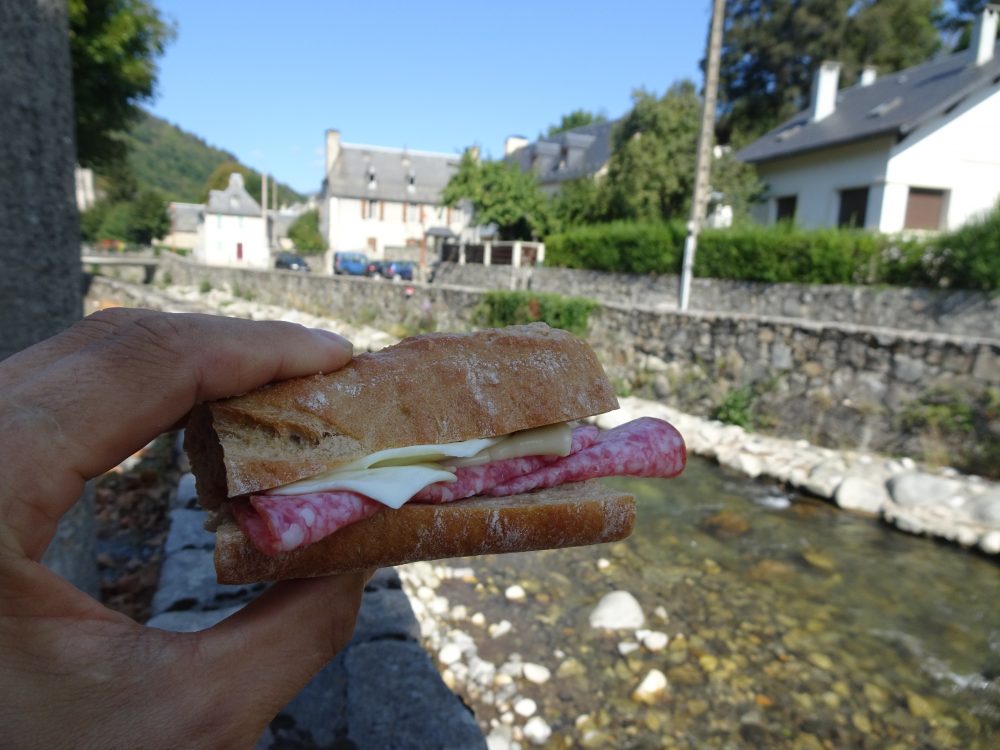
pixel 824 91
pixel 513 143
pixel 332 149
pixel 868 75
pixel 984 34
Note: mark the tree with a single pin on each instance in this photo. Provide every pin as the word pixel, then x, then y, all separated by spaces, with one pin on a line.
pixel 956 19
pixel 500 194
pixel 304 233
pixel 575 119
pixel 771 49
pixel 114 45
pixel 651 172
pixel 148 219
pixel 579 201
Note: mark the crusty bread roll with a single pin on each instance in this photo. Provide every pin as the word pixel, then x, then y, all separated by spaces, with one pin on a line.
pixel 571 515
pixel 434 388
pixel 429 389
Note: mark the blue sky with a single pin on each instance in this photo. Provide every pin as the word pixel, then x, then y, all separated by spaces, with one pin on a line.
pixel 265 80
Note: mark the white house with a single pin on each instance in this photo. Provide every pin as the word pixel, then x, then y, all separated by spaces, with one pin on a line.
pixel 913 150
pixel 386 202
pixel 232 229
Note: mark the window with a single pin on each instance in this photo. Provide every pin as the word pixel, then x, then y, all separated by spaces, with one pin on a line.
pixel 413 212
pixel 786 205
pixel 853 207
pixel 411 183
pixel 924 208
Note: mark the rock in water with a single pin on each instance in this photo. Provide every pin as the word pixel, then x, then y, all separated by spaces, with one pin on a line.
pixel 537 731
pixel 652 688
pixel 618 610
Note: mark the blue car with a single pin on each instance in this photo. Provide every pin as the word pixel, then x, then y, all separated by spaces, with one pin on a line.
pixel 398 269
pixel 351 264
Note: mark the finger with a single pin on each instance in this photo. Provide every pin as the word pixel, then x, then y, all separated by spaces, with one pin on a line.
pixel 92 328
pixel 279 642
pixel 90 409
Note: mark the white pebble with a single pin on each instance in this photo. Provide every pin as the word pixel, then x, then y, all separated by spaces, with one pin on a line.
pixel 450 653
pixel 425 593
pixel 515 593
pixel 498 629
pixel 537 731
pixel 536 673
pixel 438 605
pixel 627 647
pixel 655 640
pixel 478 619
pixel 525 707
pixel 603 564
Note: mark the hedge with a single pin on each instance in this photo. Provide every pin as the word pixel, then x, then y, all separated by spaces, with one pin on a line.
pixel 968 258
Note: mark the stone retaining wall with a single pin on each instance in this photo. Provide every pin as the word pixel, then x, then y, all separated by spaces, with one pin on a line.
pixel 961 312
pixel 838 385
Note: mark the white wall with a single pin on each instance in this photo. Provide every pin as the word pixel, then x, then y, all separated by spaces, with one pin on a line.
pixel 958 153
pixel 349 229
pixel 817 179
pixel 220 234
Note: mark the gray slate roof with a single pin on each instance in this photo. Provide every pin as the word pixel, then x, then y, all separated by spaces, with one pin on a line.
pixel 895 104
pixel 399 174
pixel 579 152
pixel 185 216
pixel 234 200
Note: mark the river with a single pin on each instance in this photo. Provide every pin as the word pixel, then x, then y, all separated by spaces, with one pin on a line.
pixel 790 623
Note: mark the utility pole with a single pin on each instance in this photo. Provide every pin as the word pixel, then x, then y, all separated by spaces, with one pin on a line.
pixel 703 160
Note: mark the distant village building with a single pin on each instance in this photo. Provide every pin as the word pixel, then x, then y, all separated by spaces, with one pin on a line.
pixel 386 202
pixel 570 155
pixel 232 230
pixel 914 150
pixel 184 220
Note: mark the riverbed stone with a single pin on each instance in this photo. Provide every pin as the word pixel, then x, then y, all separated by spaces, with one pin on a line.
pixel 862 495
pixel 920 489
pixel 618 610
pixel 652 688
pixel 985 508
pixel 537 731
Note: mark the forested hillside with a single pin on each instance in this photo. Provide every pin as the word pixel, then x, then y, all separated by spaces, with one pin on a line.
pixel 179 164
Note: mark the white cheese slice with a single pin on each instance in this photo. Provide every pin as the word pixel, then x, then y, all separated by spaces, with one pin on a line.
pixel 395 475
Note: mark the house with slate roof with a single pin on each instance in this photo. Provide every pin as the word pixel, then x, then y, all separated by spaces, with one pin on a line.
pixel 232 230
pixel 184 221
pixel 386 202
pixel 580 152
pixel 910 151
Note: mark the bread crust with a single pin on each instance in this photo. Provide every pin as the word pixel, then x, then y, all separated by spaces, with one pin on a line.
pixel 571 515
pixel 434 388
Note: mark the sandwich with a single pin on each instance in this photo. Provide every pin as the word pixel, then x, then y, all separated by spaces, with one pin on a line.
pixel 442 445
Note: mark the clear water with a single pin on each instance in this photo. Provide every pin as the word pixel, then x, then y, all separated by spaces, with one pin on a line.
pixel 792 624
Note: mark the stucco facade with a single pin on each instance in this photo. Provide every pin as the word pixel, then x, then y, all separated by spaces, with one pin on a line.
pixel 232 232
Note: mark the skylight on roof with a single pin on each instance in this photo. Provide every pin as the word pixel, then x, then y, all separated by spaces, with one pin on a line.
pixel 885 107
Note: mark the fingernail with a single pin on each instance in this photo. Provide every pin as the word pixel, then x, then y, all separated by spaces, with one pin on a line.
pixel 336 338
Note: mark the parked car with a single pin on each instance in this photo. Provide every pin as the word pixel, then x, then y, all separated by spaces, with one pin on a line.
pixel 352 264
pixel 290 262
pixel 398 269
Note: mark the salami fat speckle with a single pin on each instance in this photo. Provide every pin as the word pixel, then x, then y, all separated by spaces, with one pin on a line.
pixel 275 523
pixel 475 480
pixel 644 447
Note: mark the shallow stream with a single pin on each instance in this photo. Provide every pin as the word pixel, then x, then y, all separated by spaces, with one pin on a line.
pixel 790 623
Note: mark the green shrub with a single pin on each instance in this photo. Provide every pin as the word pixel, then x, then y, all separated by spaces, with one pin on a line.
pixel 968 258
pixel 498 309
pixel 625 247
pixel 785 253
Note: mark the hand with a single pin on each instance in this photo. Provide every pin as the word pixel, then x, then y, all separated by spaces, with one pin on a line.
pixel 76 674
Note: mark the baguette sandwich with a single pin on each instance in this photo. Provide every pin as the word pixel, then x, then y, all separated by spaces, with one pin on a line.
pixel 443 445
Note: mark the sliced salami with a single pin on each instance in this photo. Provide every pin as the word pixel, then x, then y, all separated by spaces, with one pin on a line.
pixel 474 480
pixel 644 447
pixel 275 523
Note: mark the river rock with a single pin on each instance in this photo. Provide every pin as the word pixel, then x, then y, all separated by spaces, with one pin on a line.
pixel 536 673
pixel 651 689
pixel 726 524
pixel 655 640
pixel 498 629
pixel 990 543
pixel 618 610
pixel 536 731
pixel 917 489
pixel 515 593
pixel 861 494
pixel 985 508
pixel 525 707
